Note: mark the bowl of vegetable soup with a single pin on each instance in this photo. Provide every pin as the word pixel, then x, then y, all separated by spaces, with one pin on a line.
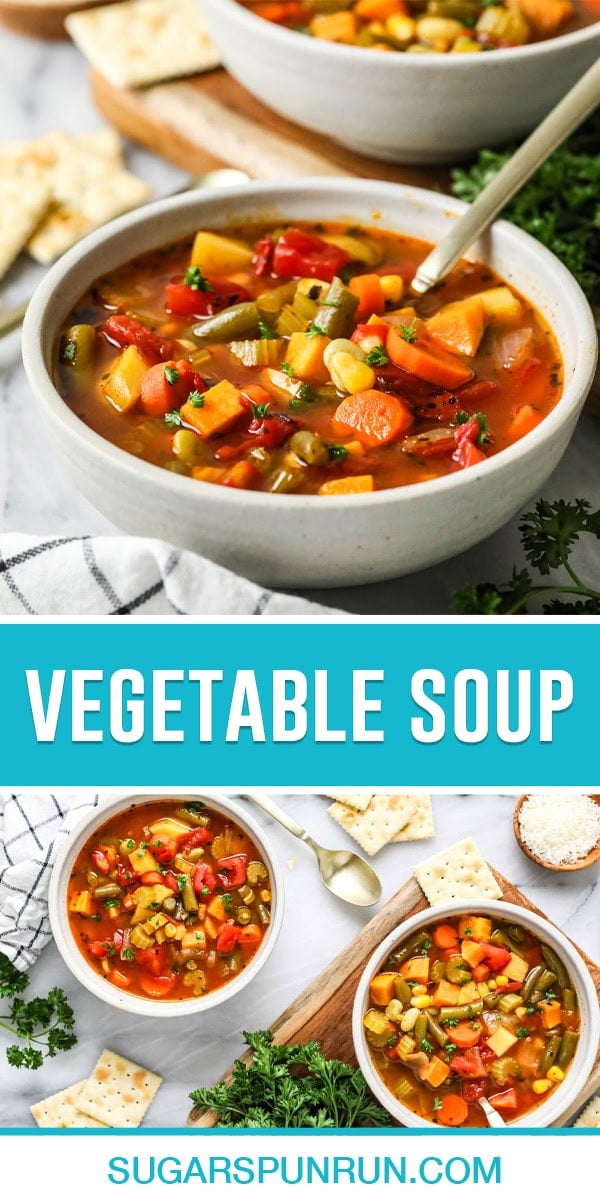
pixel 418 81
pixel 166 906
pixel 469 1002
pixel 249 375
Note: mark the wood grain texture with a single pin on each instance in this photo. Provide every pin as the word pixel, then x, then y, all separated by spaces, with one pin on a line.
pixel 324 1010
pixel 42 20
pixel 210 120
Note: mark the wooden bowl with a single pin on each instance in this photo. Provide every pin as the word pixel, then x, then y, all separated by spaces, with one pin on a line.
pixel 39 20
pixel 580 865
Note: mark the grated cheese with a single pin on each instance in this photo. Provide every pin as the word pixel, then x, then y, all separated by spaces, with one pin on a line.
pixel 560 828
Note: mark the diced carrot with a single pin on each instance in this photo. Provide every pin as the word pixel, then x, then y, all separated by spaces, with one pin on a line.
pixel 472 952
pixel 427 362
pixel 305 357
pixel 465 1036
pixel 481 973
pixel 459 326
pixel 453 1110
pixel 221 406
pixel 380 10
pixel 285 10
pixel 370 296
pixel 257 394
pixel 334 27
pixel 435 1073
pixel 551 1014
pixel 382 988
pixel 374 417
pixel 525 419
pixel 350 485
pixel 545 16
pixel 166 386
pixel 445 937
pixel 478 929
pixel 416 969
pixel 445 994
pixel 468 455
pixel 250 935
pixel 120 979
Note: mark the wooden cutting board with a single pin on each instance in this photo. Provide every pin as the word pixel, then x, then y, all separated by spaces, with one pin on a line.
pixel 210 121
pixel 324 1011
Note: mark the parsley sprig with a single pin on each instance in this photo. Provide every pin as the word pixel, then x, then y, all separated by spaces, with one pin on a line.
pixel 291 1087
pixel 195 280
pixel 549 536
pixel 44 1024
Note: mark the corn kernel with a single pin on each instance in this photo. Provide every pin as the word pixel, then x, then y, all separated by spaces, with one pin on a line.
pixel 501 980
pixel 520 1012
pixel 419 990
pixel 170 930
pixel 350 374
pixel 541 1085
pixel 556 1074
pixel 492 985
pixel 422 1002
pixel 401 29
pixel 392 287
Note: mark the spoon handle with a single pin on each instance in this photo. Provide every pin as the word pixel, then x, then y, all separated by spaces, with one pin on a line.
pixel 273 810
pixel 562 121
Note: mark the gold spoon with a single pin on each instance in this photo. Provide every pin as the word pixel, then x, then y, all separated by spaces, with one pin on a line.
pixel 562 121
pixel 344 873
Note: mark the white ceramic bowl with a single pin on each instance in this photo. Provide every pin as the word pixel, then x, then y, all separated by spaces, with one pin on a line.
pixel 305 541
pixel 89 978
pixel 410 108
pixel 560 1098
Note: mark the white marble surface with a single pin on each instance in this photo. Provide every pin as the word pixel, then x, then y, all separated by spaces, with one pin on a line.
pixel 194 1052
pixel 43 85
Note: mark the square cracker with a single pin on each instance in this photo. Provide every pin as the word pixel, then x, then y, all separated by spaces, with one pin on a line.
pixel 60 1111
pixel 24 198
pixel 118 1092
pixel 379 824
pixel 87 192
pixel 589 1118
pixel 421 826
pixel 357 800
pixel 144 41
pixel 459 873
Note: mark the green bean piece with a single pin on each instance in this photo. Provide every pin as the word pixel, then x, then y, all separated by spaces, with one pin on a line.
pixel 402 990
pixel 107 891
pixel 414 943
pixel 286 480
pixel 305 308
pixel 239 321
pixel 498 938
pixel 492 1000
pixel 568 1046
pixel 554 963
pixel 264 915
pixel 271 303
pixel 457 10
pixel 531 981
pixel 516 934
pixel 79 344
pixel 569 1000
pixel 545 981
pixel 337 310
pixel 308 447
pixel 420 1029
pixel 461 1012
pixel 441 1035
pixel 188 897
pixel 510 942
pixel 193 814
pixel 550 1053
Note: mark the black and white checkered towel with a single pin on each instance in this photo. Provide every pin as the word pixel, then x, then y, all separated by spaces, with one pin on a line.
pixel 122 576
pixel 32 828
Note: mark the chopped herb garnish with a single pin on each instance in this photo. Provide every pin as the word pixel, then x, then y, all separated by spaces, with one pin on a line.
pixel 173 419
pixel 260 411
pixel 196 399
pixel 522 1032
pixel 450 1048
pixel 287 369
pixel 409 332
pixel 112 903
pixel 451 1022
pixel 197 281
pixel 266 332
pixel 181 882
pixel 337 453
pixel 69 351
pixel 315 330
pixel 437 1103
pixel 171 375
pixel 377 357
pixel 426 1046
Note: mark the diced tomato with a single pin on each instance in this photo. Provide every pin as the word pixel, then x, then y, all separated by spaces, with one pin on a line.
pixel 481 972
pixel 198 837
pixel 204 877
pixel 268 431
pixel 534 956
pixel 228 938
pixel 154 959
pixel 486 1053
pixel 476 394
pixel 473 1091
pixel 250 935
pixel 164 850
pixel 232 871
pixel 302 255
pixel 262 262
pixel 170 880
pixel 467 454
pixel 158 986
pixel 469 1065
pixel 186 301
pixel 151 877
pixel 100 861
pixel 369 331
pixel 505 1101
pixel 391 1052
pixel 124 876
pixel 100 949
pixel 123 331
pixel 392 378
pixel 497 957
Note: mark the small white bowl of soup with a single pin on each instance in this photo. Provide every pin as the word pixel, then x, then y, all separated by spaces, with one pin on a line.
pixel 166 906
pixel 406 106
pixel 464 1002
pixel 247 373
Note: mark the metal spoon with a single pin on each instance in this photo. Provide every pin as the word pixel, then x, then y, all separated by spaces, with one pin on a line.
pixel 344 873
pixel 11 318
pixel 562 121
pixel 494 1119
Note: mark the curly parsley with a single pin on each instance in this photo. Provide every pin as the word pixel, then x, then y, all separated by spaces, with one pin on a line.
pixel 44 1025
